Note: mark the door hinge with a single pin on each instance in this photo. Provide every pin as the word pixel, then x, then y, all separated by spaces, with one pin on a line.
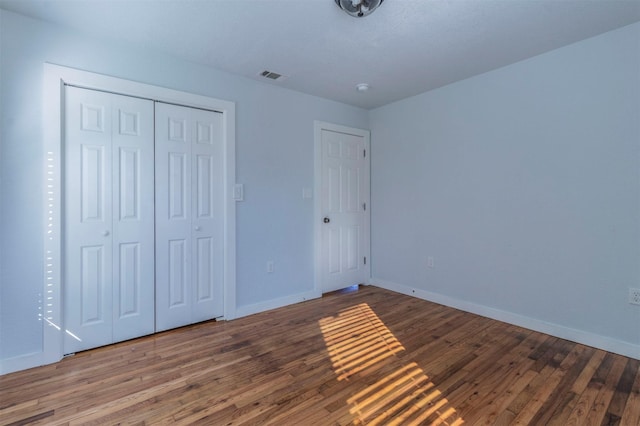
pixel 364 206
pixel 364 153
pixel 365 260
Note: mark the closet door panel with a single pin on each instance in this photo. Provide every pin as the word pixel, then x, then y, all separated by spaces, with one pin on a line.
pixel 87 221
pixel 129 280
pixel 204 186
pixel 92 184
pixel 208 244
pixel 173 217
pixel 204 276
pixel 129 169
pixel 177 185
pixel 133 220
pixel 93 286
pixel 177 274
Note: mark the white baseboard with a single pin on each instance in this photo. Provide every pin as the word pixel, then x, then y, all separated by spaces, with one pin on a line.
pixel 23 362
pixel 243 311
pixel 578 336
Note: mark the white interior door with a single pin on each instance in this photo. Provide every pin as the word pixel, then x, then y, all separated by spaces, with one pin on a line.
pixel 344 198
pixel 109 243
pixel 189 215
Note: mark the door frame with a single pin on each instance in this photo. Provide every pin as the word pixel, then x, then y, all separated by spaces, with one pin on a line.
pixel 55 79
pixel 318 127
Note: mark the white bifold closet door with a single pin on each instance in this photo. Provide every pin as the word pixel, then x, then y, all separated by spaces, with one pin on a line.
pixel 189 215
pixel 108 218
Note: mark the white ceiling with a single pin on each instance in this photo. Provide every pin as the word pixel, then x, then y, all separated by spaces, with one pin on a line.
pixel 404 48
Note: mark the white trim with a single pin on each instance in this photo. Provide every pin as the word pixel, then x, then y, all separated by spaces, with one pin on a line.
pixel 318 126
pixel 243 311
pixel 578 336
pixel 55 77
pixel 22 362
pixel 50 298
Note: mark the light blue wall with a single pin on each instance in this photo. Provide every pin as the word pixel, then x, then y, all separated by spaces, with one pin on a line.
pixel 523 184
pixel 274 144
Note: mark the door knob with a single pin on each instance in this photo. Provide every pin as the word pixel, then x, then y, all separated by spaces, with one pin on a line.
pixel 197 228
pixel 105 233
pixel 326 220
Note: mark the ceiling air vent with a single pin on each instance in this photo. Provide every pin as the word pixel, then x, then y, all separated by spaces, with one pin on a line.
pixel 272 75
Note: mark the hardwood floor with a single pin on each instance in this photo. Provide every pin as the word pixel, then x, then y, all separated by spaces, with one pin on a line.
pixel 364 357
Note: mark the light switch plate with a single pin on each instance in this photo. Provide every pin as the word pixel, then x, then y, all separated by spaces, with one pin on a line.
pixel 238 192
pixel 307 193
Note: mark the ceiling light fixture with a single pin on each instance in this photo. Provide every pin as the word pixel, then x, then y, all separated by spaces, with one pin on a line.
pixel 362 87
pixel 359 8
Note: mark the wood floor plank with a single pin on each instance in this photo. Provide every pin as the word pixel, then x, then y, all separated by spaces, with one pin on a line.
pixel 368 356
pixel 603 398
pixel 506 384
pixel 631 413
pixel 623 388
pixel 586 403
pixel 561 396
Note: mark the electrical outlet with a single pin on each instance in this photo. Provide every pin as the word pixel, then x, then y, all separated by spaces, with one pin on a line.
pixel 430 262
pixel 270 266
pixel 634 296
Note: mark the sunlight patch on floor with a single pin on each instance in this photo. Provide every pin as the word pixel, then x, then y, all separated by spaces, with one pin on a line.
pixel 358 340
